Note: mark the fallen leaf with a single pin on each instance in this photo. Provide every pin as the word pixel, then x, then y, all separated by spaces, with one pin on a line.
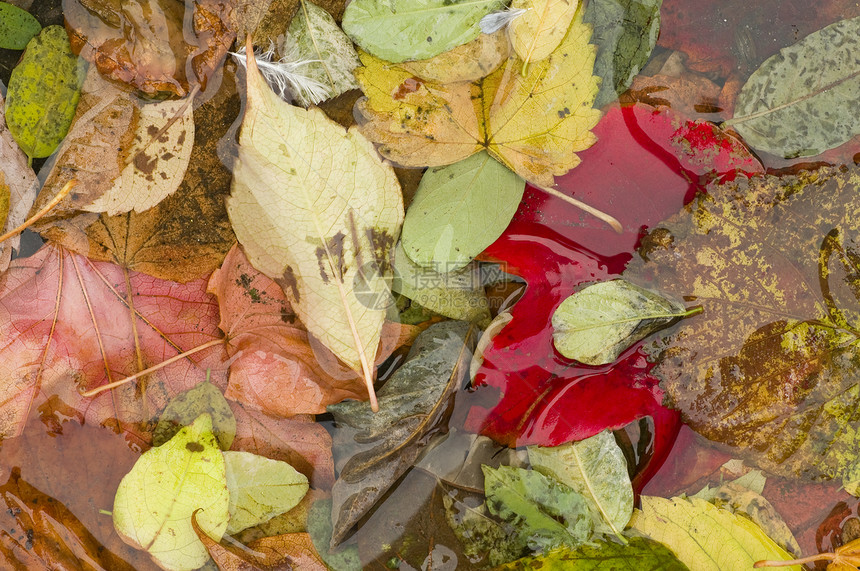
pixel 459 210
pixel 602 320
pixel 638 553
pixel 846 558
pixel 402 30
pixel 766 366
pixel 597 470
pixel 155 501
pixel 468 62
pixel 800 101
pixel 704 537
pixel 625 32
pixel 377 448
pixel 40 105
pixel 540 29
pixel 144 45
pixel 327 233
pixel 690 95
pixel 544 512
pixel 42 533
pixel 483 536
pixel 314 36
pixel 260 488
pixel 185 407
pixel 90 324
pixel 418 123
pixel 319 528
pixel 17 27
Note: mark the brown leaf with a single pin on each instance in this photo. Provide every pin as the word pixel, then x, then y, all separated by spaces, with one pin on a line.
pixel 146 46
pixel 184 237
pixel 691 95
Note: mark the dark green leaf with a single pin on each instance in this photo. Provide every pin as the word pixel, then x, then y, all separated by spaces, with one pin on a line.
pixel 17 27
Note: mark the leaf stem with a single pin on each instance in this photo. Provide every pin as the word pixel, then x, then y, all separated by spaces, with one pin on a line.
pixel 64 192
pixel 801 561
pixel 599 214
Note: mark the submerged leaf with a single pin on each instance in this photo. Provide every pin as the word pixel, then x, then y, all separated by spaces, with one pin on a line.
pixel 43 93
pixel 401 30
pixel 325 230
pixel 599 322
pixel 704 537
pixel 638 553
pixel 770 365
pixel 596 468
pixel 17 27
pixel 802 101
pixel 185 407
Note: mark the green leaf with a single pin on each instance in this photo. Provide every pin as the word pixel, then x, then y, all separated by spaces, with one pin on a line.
pixel 704 537
pixel 319 528
pixel 459 210
pixel 17 27
pixel 314 36
pixel 625 32
pixel 155 500
pixel 260 488
pixel 596 324
pixel 639 554
pixel 803 100
pixel 596 469
pixel 545 512
pixel 400 30
pixel 43 93
pixel 482 535
pixel 187 406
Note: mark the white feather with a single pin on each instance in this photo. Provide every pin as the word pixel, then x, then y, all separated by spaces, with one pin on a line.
pixel 495 21
pixel 284 75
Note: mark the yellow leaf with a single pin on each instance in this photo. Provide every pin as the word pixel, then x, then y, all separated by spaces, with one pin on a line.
pixel 468 62
pixel 540 29
pixel 324 228
pixel 534 124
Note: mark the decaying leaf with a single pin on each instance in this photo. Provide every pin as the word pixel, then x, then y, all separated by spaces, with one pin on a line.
pixel 43 92
pixel 313 35
pixel 319 528
pixel 468 62
pixel 597 470
pixel 325 230
pixel 704 537
pixel 599 322
pixel 420 123
pixel 638 553
pixel 769 366
pixel 801 101
pixel 155 501
pixel 405 30
pixel 185 407
pixel 482 535
pixel 377 448
pixel 539 30
pixel 144 44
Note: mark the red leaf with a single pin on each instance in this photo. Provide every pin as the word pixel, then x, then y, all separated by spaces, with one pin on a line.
pixel 644 166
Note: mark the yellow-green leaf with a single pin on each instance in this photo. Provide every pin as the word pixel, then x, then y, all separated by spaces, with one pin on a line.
pixel 316 209
pixel 539 30
pixel 155 500
pixel 704 537
pixel 43 93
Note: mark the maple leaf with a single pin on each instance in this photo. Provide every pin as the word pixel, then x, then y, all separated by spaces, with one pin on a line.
pixel 544 398
pixel 70 324
pixel 769 366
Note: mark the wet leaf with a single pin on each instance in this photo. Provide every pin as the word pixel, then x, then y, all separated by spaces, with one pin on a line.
pixel 260 488
pixel 43 93
pixel 320 229
pixel 17 27
pixel 404 30
pixel 42 533
pixel 319 528
pixel 540 29
pixel 420 123
pixel 468 62
pixel 188 405
pixel 599 322
pixel 481 534
pixel 769 365
pixel 846 558
pixel 597 470
pixel 377 448
pixel 625 32
pixel 87 327
pixel 705 537
pixel 154 501
pixel 545 513
pixel 313 35
pixel 459 210
pixel 800 101
pixel 145 46
pixel 638 553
